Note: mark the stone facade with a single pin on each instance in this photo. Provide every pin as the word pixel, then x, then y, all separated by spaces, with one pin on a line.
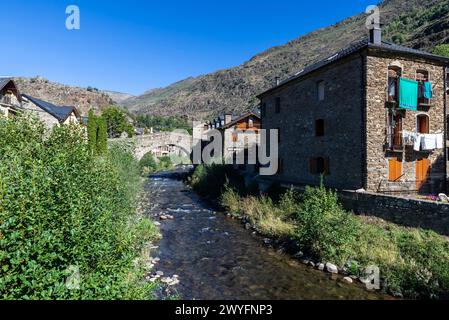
pixel 353 106
pixel 341 110
pixel 376 114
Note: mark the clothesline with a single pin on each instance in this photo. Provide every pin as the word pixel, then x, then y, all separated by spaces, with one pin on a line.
pixel 422 141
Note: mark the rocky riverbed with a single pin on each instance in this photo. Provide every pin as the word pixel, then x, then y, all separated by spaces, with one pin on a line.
pixel 204 254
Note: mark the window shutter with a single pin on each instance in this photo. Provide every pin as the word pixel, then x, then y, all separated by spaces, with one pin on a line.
pixel 313 166
pixel 326 166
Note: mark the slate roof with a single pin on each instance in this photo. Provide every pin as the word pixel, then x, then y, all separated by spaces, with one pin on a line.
pixel 59 112
pixel 354 48
pixel 5 81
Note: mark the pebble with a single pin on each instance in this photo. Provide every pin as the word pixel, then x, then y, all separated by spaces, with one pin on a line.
pixel 331 268
pixel 267 241
pixel 348 280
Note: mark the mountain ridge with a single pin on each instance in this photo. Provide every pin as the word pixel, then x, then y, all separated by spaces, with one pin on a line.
pixel 419 25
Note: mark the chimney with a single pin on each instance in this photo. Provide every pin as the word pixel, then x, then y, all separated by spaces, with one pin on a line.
pixel 375 34
pixel 228 118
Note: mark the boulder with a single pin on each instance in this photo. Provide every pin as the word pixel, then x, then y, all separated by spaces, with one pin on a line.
pixel 331 268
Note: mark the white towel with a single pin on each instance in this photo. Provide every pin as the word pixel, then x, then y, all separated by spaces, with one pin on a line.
pixel 417 143
pixel 440 141
pixel 429 142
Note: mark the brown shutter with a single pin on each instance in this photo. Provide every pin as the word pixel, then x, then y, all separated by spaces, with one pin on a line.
pixel 313 166
pixel 326 167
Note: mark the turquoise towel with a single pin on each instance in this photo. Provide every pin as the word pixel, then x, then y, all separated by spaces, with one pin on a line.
pixel 408 94
pixel 428 94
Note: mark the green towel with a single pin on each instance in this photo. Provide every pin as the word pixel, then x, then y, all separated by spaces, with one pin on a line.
pixel 408 94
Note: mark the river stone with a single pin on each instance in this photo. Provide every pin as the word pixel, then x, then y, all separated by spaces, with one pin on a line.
pixel 157 224
pixel 348 280
pixel 160 273
pixel 169 217
pixel 321 267
pixel 163 217
pixel 311 264
pixel 248 226
pixel 332 268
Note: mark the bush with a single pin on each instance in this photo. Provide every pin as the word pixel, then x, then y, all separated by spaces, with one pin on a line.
pixel 147 164
pixel 211 180
pixel 62 207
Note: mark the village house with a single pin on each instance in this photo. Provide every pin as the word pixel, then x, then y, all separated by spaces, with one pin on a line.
pixel 10 98
pixel 50 114
pixel 372 117
pixel 240 136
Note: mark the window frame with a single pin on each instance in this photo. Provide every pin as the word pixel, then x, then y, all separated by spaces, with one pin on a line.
pixel 319 128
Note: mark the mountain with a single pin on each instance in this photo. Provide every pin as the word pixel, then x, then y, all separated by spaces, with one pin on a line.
pixel 415 23
pixel 59 94
pixel 118 97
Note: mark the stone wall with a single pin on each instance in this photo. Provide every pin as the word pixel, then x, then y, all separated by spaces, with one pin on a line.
pixel 341 111
pixel 43 116
pixel 376 114
pixel 406 212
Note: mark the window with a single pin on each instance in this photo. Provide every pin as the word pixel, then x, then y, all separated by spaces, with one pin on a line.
pixel 422 124
pixel 319 128
pixel 395 131
pixel 394 169
pixel 394 74
pixel 250 123
pixel 320 90
pixel 319 166
pixel 263 110
pixel 278 105
pixel 235 137
pixel 422 76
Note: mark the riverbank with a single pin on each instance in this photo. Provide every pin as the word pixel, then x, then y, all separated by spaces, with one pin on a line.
pixel 69 226
pixel 413 263
pixel 215 258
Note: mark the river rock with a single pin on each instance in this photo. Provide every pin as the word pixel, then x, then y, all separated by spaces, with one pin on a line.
pixel 348 280
pixel 321 266
pixel 331 268
pixel 170 217
pixel 267 241
pixel 159 273
pixel 311 264
pixel 248 226
pixel 163 217
pixel 299 255
pixel 157 224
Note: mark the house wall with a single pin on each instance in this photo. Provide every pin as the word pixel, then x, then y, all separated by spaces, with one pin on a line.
pixel 44 116
pixel 376 126
pixel 341 110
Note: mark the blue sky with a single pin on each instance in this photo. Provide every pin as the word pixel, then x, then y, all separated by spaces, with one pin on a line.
pixel 135 45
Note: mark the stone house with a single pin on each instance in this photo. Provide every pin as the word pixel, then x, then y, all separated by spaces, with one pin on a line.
pixel 50 114
pixel 372 117
pixel 10 98
pixel 240 136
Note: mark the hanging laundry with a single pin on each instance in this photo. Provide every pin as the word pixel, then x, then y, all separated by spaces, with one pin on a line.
pixel 428 92
pixel 429 142
pixel 440 141
pixel 408 94
pixel 417 143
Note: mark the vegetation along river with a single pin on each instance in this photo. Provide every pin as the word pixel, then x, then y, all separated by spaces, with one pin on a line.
pixel 216 258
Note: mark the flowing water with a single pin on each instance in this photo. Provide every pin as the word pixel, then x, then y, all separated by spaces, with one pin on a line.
pixel 216 258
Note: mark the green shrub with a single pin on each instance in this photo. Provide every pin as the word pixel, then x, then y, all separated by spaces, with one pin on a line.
pixel 147 164
pixel 211 180
pixel 62 207
pixel 324 228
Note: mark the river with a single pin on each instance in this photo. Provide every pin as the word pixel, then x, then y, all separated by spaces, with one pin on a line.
pixel 216 258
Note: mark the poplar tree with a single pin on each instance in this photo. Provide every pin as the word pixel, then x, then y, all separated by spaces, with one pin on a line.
pixel 92 131
pixel 102 136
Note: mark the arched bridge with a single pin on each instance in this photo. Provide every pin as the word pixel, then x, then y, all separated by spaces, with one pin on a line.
pixel 162 143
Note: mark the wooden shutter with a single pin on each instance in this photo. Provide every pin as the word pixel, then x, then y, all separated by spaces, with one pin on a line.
pixel 313 166
pixel 394 169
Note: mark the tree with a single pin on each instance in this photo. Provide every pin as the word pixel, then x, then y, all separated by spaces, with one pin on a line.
pixel 442 50
pixel 102 136
pixel 92 132
pixel 117 122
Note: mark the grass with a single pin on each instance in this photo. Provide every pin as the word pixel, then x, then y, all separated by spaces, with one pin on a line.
pixel 414 263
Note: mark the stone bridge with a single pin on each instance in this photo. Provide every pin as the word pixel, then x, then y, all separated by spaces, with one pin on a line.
pixel 159 144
